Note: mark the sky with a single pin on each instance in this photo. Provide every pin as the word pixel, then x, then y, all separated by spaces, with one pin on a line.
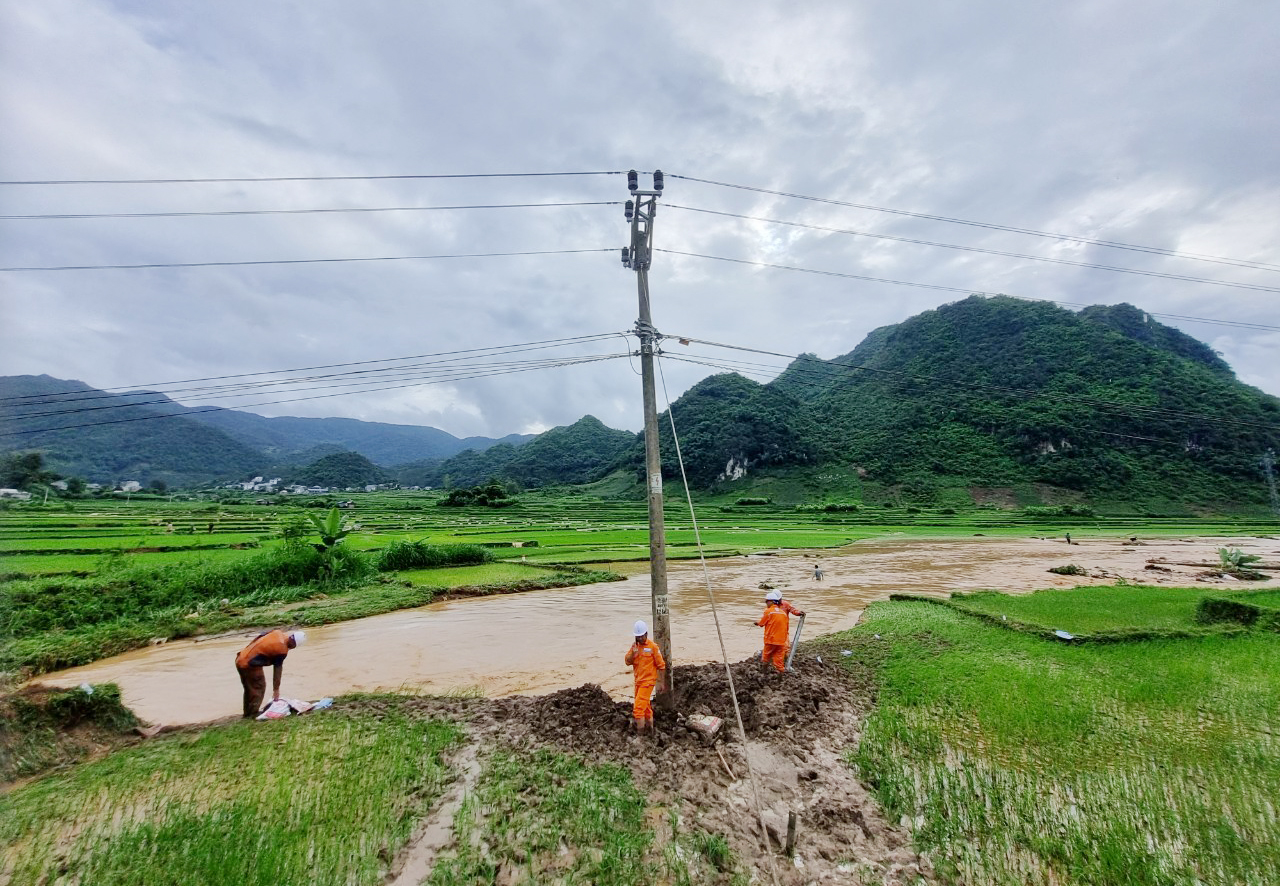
pixel 1152 124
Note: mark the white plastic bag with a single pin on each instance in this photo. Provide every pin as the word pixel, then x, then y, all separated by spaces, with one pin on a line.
pixel 277 710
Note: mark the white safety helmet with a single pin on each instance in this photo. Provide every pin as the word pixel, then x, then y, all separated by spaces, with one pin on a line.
pixel 299 637
pixel 641 629
pixel 775 596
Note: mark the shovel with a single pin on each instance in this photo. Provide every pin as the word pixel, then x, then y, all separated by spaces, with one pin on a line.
pixel 795 641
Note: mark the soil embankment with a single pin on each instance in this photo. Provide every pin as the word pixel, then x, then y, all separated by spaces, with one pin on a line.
pixel 797 727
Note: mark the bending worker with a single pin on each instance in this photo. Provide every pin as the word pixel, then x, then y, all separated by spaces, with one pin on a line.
pixel 268 648
pixel 646 663
pixel 777 629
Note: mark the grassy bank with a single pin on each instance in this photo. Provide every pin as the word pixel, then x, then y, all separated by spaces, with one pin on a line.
pixel 1021 760
pixel 327 799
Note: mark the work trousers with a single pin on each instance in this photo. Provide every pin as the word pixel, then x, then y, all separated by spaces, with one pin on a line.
pixel 254 682
pixel 642 710
pixel 776 653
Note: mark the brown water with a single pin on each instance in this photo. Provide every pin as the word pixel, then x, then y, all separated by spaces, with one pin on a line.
pixel 541 641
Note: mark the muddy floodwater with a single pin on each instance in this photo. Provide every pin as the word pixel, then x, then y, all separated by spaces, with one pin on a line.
pixel 541 641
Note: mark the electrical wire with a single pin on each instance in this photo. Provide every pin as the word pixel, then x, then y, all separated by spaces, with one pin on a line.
pixel 171 386
pixel 307 261
pixel 936 286
pixel 304 178
pixel 715 616
pixel 153 416
pixel 1021 255
pixel 297 385
pixel 1110 244
pixel 494 348
pixel 232 212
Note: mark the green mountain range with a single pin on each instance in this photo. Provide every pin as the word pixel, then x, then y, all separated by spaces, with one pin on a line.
pixel 143 435
pixel 995 391
pixel 1106 403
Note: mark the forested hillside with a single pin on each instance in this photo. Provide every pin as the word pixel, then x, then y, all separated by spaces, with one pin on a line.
pixel 998 391
pixel 143 435
pixel 577 453
pixel 84 432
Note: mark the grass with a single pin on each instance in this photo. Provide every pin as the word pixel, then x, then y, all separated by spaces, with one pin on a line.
pixel 1025 761
pixel 42 728
pixel 327 798
pixel 1092 610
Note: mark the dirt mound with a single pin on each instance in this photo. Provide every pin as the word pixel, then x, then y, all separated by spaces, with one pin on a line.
pixel 798 725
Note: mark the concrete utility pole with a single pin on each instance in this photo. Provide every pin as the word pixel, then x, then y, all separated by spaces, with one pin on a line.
pixel 640 211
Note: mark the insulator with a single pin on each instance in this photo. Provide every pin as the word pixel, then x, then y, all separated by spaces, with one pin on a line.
pixel 630 209
pixel 626 255
pixel 633 181
pixel 657 179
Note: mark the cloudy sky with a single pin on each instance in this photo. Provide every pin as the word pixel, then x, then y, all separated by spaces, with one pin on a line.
pixel 1143 123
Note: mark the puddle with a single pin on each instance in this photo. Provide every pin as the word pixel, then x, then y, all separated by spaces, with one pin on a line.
pixel 541 641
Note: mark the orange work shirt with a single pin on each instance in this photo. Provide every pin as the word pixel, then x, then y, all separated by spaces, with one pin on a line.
pixel 269 648
pixel 786 607
pixel 776 626
pixel 646 661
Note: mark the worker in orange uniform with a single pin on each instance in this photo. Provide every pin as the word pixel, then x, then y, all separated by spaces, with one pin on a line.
pixel 645 659
pixel 268 648
pixel 776 622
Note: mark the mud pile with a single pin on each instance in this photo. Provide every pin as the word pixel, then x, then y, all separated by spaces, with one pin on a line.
pixel 798 726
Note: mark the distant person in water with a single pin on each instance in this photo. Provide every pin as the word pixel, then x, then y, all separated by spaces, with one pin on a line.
pixel 817 572
pixel 268 648
pixel 1068 538
pixel 646 663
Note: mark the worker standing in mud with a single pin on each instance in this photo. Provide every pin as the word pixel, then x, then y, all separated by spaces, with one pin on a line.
pixel 268 648
pixel 776 622
pixel 646 662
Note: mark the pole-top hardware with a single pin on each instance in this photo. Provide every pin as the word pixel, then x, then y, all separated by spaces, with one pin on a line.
pixel 657 180
pixel 633 181
pixel 629 209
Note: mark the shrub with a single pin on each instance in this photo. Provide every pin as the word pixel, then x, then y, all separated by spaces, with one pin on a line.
pixel 417 555
pixel 1069 569
pixel 754 501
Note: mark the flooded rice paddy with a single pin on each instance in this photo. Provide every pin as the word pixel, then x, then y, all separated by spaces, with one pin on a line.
pixel 541 641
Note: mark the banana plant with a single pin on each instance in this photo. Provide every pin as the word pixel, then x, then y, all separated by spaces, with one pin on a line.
pixel 332 530
pixel 1234 559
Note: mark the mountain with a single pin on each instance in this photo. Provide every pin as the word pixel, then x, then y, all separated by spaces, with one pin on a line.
pixel 998 391
pixel 101 437
pixel 340 470
pixel 144 435
pixel 578 453
pixel 284 437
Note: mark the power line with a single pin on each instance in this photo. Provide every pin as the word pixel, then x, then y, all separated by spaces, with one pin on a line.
pixel 303 178
pixel 346 209
pixel 308 261
pixel 1040 258
pixel 296 385
pixel 935 286
pixel 1110 244
pixel 486 374
pixel 494 350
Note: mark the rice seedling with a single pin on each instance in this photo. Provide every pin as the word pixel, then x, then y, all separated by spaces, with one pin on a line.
pixel 328 798
pixel 1018 760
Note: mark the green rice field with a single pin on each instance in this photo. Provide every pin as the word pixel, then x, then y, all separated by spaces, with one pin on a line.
pixel 1022 760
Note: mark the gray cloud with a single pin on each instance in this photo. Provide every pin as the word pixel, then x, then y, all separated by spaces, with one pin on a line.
pixel 1149 123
